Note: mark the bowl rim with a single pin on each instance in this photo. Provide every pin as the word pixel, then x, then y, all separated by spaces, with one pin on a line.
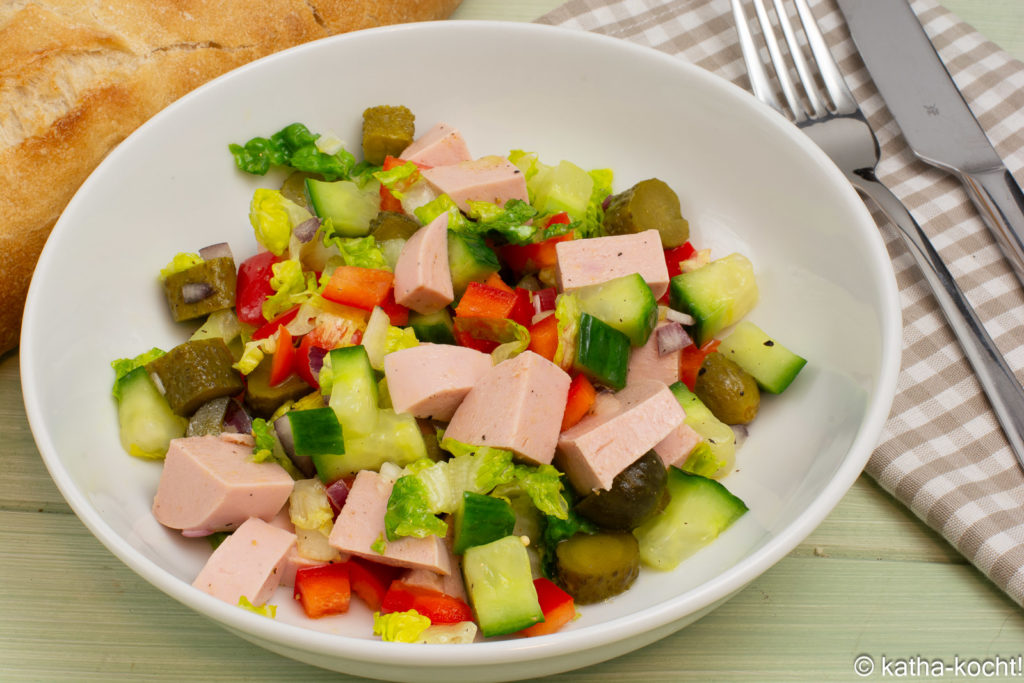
pixel 564 643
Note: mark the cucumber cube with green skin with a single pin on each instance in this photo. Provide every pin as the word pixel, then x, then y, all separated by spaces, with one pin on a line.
pixel 436 328
pixel 602 352
pixel 717 295
pixel 480 520
pixel 625 303
pixel 469 260
pixel 316 431
pixel 500 586
pixel 771 364
pixel 699 510
pixel 397 438
pixel 147 423
pixel 354 392
pixel 717 435
pixel 349 207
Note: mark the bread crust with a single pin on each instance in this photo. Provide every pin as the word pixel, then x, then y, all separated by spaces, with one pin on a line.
pixel 77 76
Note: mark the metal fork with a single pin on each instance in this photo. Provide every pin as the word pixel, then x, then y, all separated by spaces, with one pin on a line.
pixel 838 126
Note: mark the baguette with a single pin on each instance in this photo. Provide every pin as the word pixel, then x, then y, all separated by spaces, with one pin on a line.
pixel 77 76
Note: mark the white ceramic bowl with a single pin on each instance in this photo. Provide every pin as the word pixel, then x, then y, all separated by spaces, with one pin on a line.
pixel 748 182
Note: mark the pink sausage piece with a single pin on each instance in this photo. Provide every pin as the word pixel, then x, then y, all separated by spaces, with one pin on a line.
pixel 608 440
pixel 646 363
pixel 676 447
pixel 590 261
pixel 212 484
pixel 442 145
pixel 430 380
pixel 250 562
pixel 487 179
pixel 451 584
pixel 517 405
pixel 423 281
pixel 361 523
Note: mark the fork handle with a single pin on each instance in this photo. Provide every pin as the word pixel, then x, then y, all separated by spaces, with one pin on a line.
pixel 999 200
pixel 997 379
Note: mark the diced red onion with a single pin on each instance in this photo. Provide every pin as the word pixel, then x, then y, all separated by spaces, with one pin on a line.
pixel 671 337
pixel 196 533
pixel 219 250
pixel 316 360
pixel 237 419
pixel 337 494
pixel 195 291
pixel 544 299
pixel 679 317
pixel 305 230
pixel 606 202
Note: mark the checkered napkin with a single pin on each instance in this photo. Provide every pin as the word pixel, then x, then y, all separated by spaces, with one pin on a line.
pixel 942 453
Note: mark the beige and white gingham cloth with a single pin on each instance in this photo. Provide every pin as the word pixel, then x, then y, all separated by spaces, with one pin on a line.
pixel 942 453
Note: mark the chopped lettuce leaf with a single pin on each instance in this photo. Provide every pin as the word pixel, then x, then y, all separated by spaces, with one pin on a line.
pixel 122 366
pixel 268 448
pixel 356 251
pixel 567 314
pixel 295 146
pixel 398 178
pixel 267 610
pixel 253 352
pixel 400 627
pixel 399 338
pixel 224 324
pixel 513 222
pixel 180 262
pixel 527 162
pixel 512 337
pixel 544 487
pixel 409 512
pixel 272 216
pixel 593 222
pixel 443 204
pixel 309 507
pixel 291 286
pixel 380 545
pixel 558 529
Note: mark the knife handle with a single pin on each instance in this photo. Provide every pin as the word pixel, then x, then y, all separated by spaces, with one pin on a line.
pixel 997 379
pixel 999 200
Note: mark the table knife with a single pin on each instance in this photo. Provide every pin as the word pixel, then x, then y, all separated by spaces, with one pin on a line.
pixel 933 116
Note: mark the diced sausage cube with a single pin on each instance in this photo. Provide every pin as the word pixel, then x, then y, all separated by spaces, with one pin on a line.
pixel 590 261
pixel 487 179
pixel 250 562
pixel 360 525
pixel 676 447
pixel 423 281
pixel 517 405
pixel 646 362
pixel 430 380
pixel 442 145
pixel 211 484
pixel 607 441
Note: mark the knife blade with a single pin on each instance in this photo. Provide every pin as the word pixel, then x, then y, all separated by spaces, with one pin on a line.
pixel 934 117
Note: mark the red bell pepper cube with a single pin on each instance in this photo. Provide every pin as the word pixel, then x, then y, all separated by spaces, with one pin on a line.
pixel 388 201
pixel 691 358
pixel 253 287
pixel 522 311
pixel 283 363
pixel 532 257
pixel 439 607
pixel 360 287
pixel 561 218
pixel 544 337
pixel 301 362
pixel 464 338
pixel 323 590
pixel 673 258
pixel 579 401
pixel 558 606
pixel 494 280
pixel 485 301
pixel 397 313
pixel 371 580
pixel 271 327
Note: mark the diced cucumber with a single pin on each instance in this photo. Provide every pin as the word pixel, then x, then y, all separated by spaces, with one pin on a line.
pixel 602 352
pixel 699 510
pixel 769 362
pixel 436 328
pixel 717 435
pixel 716 295
pixel 349 207
pixel 354 396
pixel 147 422
pixel 500 586
pixel 397 439
pixel 316 431
pixel 480 520
pixel 626 303
pixel 565 187
pixel 469 260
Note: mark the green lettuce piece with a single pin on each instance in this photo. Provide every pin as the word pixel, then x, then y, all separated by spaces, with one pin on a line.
pixel 443 204
pixel 398 178
pixel 180 262
pixel 294 146
pixel 593 222
pixel 400 627
pixel 356 251
pixel 122 366
pixel 527 162
pixel 409 511
pixel 272 216
pixel 268 448
pixel 512 337
pixel 380 545
pixel 511 221
pixel 291 285
pixel 252 353
pixel 558 529
pixel 543 485
pixel 267 610
pixel 399 338
pixel 567 315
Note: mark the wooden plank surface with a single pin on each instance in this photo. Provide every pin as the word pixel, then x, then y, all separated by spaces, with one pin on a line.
pixel 872 579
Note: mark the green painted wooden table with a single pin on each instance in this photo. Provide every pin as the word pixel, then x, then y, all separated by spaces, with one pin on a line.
pixel 871 580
